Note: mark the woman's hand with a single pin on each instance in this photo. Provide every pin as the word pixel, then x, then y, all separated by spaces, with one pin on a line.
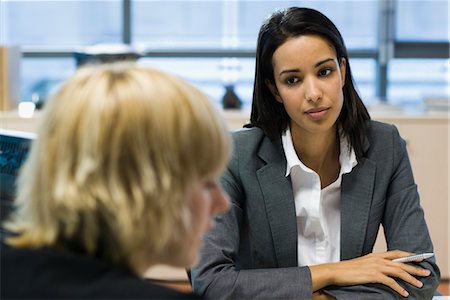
pixel 371 268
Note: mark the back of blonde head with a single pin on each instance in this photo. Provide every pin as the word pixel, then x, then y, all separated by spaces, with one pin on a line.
pixel 117 150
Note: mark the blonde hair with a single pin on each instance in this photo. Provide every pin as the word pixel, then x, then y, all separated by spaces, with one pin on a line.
pixel 118 148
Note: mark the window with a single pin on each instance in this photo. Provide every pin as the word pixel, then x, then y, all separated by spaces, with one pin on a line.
pixel 419 70
pixel 177 24
pixel 345 14
pixel 231 25
pixel 211 75
pixel 363 71
pixel 425 20
pixel 41 76
pixel 414 80
pixel 61 23
pixel 235 24
pixel 212 43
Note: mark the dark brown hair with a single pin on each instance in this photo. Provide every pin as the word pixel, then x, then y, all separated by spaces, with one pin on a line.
pixel 270 115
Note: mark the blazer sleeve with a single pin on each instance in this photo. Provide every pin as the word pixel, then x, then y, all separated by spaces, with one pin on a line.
pixel 404 227
pixel 220 275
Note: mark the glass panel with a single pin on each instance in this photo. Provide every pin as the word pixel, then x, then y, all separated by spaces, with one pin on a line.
pixel 364 75
pixel 61 23
pixel 211 75
pixel 411 81
pixel 235 24
pixel 41 76
pixel 356 20
pixel 425 20
pixel 169 24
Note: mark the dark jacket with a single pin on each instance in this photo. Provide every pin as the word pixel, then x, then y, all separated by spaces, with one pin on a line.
pixel 51 274
pixel 251 253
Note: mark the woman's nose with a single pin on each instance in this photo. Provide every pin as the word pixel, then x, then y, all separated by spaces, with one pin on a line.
pixel 312 90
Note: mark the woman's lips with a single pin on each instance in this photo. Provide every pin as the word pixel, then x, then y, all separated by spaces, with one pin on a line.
pixel 317 113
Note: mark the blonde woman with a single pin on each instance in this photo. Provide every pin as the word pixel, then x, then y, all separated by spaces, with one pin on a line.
pixel 123 175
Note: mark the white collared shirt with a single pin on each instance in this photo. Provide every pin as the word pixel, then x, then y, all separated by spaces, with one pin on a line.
pixel 318 210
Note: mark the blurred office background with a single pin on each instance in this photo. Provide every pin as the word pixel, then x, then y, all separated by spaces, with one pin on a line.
pixel 399 49
pixel 399 52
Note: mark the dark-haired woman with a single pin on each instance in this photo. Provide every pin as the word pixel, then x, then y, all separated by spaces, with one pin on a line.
pixel 311 181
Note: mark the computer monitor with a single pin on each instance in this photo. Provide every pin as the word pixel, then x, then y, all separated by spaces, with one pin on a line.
pixel 14 149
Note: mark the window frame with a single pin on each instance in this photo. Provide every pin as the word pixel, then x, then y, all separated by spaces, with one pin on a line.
pixel 388 47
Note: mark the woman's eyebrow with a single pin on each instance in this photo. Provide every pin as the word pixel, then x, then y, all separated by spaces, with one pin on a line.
pixel 296 70
pixel 323 61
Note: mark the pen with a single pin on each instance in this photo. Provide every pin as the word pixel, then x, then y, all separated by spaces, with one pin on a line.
pixel 414 257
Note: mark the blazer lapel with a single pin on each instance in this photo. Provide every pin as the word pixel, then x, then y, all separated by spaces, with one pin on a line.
pixel 356 199
pixel 279 201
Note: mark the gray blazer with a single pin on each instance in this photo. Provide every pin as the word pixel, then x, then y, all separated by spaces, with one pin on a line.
pixel 252 251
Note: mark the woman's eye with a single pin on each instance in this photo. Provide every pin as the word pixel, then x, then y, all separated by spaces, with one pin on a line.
pixel 325 72
pixel 292 80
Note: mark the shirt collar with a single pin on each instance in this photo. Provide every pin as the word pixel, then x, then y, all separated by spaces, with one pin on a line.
pixel 347 157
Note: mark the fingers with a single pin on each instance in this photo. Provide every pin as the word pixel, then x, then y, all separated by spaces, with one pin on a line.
pixel 388 281
pixel 379 268
pixel 404 272
pixel 387 275
pixel 413 270
pixel 393 254
pixel 404 275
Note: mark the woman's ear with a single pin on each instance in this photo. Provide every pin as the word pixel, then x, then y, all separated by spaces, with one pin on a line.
pixel 343 68
pixel 273 89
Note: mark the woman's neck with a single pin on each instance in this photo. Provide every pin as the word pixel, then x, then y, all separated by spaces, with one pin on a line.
pixel 319 152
